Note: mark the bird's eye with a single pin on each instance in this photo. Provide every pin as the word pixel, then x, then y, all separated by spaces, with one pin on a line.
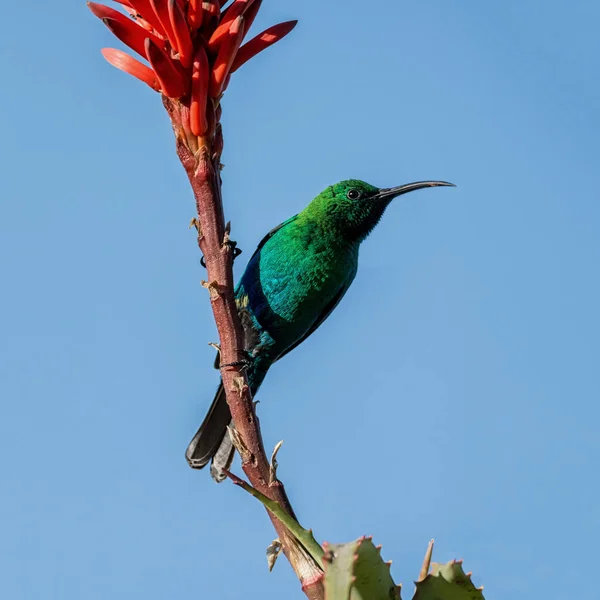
pixel 353 194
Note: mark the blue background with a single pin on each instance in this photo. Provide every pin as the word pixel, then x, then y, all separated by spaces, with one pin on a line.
pixel 454 392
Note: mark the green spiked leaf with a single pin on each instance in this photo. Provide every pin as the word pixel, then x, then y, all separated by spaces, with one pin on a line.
pixel 304 536
pixel 447 582
pixel 356 571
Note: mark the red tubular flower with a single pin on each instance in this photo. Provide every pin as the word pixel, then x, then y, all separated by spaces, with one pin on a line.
pixel 200 72
pixel 250 15
pixel 212 7
pixel 134 15
pixel 181 33
pixel 101 11
pixel 195 14
pixel 161 10
pixel 226 56
pixel 193 48
pixel 172 81
pixel 145 9
pixel 260 42
pixel 234 11
pixel 131 34
pixel 130 65
pixel 127 30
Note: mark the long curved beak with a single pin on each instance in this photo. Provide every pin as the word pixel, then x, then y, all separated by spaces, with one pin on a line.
pixel 389 193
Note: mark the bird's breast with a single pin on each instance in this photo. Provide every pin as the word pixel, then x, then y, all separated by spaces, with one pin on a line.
pixel 293 279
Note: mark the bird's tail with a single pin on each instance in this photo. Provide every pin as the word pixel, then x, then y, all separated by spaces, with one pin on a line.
pixel 212 440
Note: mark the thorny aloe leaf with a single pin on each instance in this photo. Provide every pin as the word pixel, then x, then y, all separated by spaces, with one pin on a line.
pixel 356 571
pixel 447 582
pixel 304 536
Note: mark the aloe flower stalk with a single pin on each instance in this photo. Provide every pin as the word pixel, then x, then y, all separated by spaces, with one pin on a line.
pixel 187 51
pixel 186 43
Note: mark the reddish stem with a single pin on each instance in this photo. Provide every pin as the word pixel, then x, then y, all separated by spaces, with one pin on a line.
pixel 202 165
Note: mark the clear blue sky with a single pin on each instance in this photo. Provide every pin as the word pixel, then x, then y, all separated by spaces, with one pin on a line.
pixel 454 392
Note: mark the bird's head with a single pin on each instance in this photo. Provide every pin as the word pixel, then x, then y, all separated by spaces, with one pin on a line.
pixel 354 207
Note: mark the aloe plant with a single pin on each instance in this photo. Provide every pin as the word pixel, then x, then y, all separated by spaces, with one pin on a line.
pixel 356 570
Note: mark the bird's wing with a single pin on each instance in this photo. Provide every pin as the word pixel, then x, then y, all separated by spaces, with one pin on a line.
pixel 326 312
pixel 258 249
pixel 271 234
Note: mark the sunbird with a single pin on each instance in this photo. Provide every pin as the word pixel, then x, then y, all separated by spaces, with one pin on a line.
pixel 296 277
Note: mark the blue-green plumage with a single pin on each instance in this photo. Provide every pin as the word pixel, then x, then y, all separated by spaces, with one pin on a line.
pixel 295 278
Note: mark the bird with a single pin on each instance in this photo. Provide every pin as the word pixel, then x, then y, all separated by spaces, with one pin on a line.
pixel 294 280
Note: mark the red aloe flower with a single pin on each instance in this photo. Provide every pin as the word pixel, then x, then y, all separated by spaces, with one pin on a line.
pixel 195 14
pixel 130 65
pixel 198 122
pixel 183 39
pixel 173 81
pixel 192 47
pixel 227 52
pixel 235 10
pixel 260 42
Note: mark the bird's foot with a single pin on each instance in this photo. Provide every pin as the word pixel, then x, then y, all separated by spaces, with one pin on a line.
pixel 238 363
pixel 231 244
pixel 245 362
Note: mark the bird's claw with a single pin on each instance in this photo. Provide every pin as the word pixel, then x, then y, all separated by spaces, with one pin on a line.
pixel 245 363
pixel 233 245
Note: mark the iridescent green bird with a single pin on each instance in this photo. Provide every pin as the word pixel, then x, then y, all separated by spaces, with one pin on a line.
pixel 295 278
